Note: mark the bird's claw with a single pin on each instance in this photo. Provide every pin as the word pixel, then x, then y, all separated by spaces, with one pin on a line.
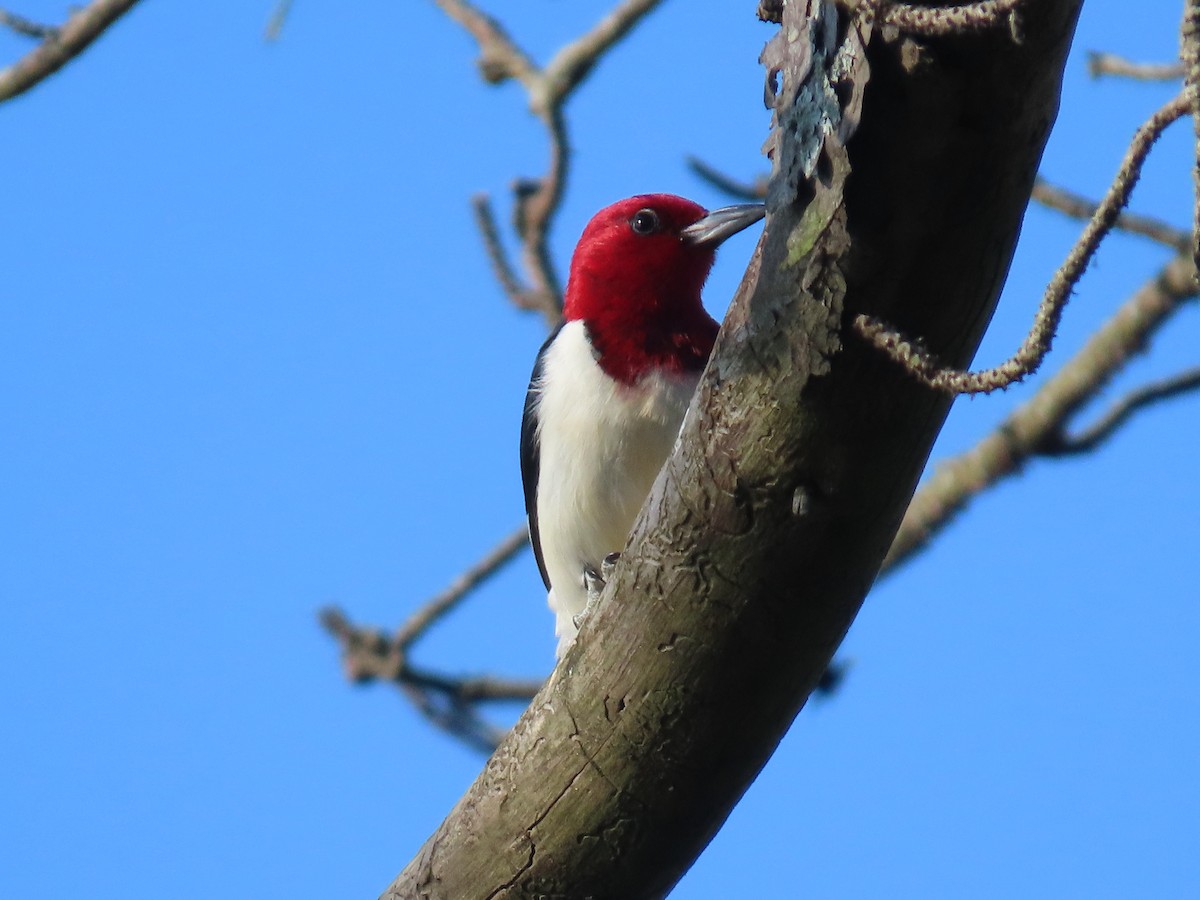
pixel 594 582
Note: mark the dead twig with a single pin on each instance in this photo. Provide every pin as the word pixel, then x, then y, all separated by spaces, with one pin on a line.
pixel 741 190
pixel 1025 433
pixel 925 366
pixel 1100 64
pixel 1189 53
pixel 485 221
pixel 452 703
pixel 278 19
pixel 27 27
pixel 1078 207
pixel 549 88
pixel 420 621
pixel 61 45
pixel 1062 444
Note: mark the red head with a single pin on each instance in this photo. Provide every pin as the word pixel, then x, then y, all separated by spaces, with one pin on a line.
pixel 636 277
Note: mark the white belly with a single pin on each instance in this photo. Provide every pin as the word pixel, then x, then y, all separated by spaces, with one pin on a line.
pixel 597 462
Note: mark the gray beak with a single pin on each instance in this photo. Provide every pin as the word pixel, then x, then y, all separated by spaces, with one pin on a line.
pixel 722 223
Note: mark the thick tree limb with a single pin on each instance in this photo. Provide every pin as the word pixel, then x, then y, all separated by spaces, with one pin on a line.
pixel 768 526
pixel 67 42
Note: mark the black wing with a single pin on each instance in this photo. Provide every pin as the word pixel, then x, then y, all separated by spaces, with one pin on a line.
pixel 530 450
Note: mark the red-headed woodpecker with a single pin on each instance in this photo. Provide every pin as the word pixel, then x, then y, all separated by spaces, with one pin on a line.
pixel 612 383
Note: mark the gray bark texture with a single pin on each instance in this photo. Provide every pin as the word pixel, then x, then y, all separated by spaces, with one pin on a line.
pixel 767 527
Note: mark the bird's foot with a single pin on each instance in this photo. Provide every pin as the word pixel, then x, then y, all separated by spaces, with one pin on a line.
pixel 594 582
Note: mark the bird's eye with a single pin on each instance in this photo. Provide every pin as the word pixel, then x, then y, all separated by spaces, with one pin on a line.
pixel 644 221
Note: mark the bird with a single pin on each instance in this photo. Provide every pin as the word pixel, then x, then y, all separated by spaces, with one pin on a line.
pixel 612 383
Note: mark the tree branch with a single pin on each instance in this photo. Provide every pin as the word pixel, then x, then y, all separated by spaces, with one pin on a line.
pixel 1118 414
pixel 549 89
pixel 83 27
pixel 1079 207
pixel 926 368
pixel 275 24
pixel 450 702
pixel 574 62
pixel 27 27
pixel 741 190
pixel 500 58
pixel 1099 64
pixel 1189 39
pixel 443 603
pixel 1033 428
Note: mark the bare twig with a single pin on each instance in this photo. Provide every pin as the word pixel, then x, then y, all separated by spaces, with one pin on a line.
pixel 741 190
pixel 83 27
pixel 420 621
pixel 27 27
pixel 1099 64
pixel 927 369
pixel 536 203
pixel 276 22
pixel 1023 434
pixel 485 220
pixel 500 59
pixel 1062 444
pixel 1078 207
pixel 548 88
pixel 449 702
pixel 1189 39
pixel 572 64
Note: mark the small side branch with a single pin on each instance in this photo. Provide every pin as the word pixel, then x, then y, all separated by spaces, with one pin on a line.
pixel 1189 39
pixel 27 27
pixel 420 621
pixel 450 703
pixel 1031 428
pixel 572 64
pixel 740 190
pixel 500 58
pixel 1100 64
pixel 927 368
pixel 549 88
pixel 1078 207
pixel 453 703
pixel 485 221
pixel 1062 444
pixel 278 19
pixel 61 45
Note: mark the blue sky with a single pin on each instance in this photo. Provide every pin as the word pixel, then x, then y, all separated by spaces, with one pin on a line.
pixel 253 362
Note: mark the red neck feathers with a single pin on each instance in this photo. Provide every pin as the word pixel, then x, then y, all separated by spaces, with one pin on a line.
pixel 635 283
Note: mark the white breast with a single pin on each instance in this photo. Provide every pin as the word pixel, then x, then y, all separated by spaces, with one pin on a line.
pixel 602 445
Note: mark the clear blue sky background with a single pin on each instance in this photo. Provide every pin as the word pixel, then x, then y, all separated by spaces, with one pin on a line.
pixel 253 361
